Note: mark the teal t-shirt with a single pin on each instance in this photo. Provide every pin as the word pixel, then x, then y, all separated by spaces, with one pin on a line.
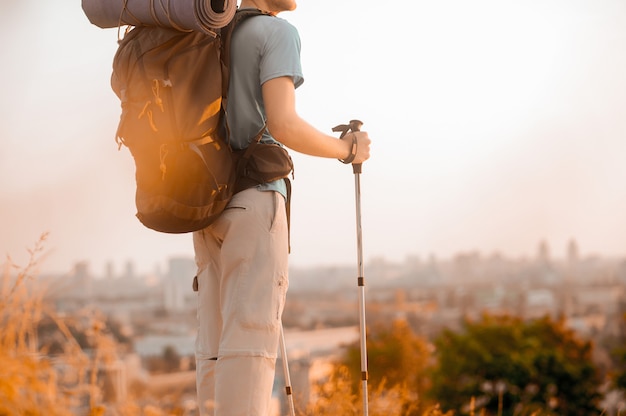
pixel 262 48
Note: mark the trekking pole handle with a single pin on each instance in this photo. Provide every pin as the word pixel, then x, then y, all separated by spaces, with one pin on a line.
pixel 353 126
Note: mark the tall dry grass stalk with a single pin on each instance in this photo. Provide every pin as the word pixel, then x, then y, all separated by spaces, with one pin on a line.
pixel 28 382
pixel 31 381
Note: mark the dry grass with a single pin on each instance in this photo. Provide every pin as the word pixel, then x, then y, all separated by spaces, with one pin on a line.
pixel 32 382
pixel 28 382
pixel 334 397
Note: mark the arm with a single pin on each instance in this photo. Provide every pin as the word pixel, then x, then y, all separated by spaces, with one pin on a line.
pixel 290 129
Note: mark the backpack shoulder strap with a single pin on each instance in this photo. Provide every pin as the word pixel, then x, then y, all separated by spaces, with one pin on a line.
pixel 226 34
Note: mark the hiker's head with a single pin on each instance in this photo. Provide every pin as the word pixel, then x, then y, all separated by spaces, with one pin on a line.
pixel 273 6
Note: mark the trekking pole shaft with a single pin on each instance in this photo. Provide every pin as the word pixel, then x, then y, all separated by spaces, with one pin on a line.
pixel 288 390
pixel 361 285
pixel 355 126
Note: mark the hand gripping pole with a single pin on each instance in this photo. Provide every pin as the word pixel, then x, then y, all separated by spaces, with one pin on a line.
pixel 355 125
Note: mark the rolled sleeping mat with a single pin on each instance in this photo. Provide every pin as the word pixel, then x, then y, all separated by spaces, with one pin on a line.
pixel 199 15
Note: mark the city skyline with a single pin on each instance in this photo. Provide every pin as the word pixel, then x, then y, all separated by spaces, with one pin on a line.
pixel 542 253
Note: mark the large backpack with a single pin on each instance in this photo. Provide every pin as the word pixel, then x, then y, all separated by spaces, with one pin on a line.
pixel 173 88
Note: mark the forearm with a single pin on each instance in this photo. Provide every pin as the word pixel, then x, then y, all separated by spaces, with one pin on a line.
pixel 298 135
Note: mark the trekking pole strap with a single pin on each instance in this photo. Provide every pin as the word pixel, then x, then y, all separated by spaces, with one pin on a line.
pixel 353 126
pixel 353 150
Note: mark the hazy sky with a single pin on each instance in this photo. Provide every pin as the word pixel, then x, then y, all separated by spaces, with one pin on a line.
pixel 495 125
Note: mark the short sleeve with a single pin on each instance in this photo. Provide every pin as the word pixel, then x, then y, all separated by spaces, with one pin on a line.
pixel 281 54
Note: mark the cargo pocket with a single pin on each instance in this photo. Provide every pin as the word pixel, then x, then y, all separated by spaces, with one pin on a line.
pixel 262 305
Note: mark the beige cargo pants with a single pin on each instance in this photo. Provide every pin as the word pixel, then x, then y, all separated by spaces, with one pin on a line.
pixel 242 284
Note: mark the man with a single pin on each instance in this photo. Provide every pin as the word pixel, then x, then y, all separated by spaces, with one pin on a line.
pixel 242 257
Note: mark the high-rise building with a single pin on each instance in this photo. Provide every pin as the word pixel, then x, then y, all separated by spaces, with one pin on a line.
pixel 178 283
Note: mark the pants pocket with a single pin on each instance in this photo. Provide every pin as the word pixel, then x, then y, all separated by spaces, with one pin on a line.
pixel 262 302
pixel 279 219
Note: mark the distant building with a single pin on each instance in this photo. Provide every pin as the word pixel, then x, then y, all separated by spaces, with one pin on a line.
pixel 83 280
pixel 177 286
pixel 540 302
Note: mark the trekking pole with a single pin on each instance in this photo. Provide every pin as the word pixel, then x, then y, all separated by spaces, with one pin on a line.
pixel 288 391
pixel 355 125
